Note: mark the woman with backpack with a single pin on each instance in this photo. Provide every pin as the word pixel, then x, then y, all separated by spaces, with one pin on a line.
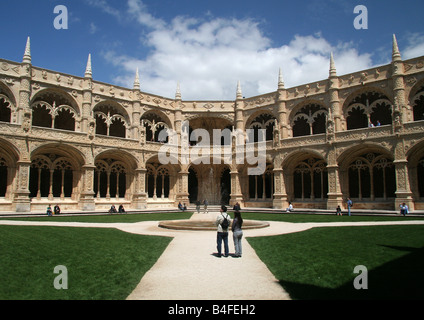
pixel 237 233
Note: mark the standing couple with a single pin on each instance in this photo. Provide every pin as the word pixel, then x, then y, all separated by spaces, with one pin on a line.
pixel 223 222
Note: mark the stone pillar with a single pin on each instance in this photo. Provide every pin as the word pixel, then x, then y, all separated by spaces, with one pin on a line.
pixel 280 199
pixel 236 195
pixel 21 198
pixel 86 201
pixel 182 195
pixel 403 189
pixel 140 195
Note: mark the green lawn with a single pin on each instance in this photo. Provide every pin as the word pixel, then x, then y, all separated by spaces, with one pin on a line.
pixel 108 218
pixel 101 263
pixel 319 263
pixel 316 264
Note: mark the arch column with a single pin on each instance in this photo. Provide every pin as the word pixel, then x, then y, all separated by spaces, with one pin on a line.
pixel 21 198
pixel 86 201
pixel 140 195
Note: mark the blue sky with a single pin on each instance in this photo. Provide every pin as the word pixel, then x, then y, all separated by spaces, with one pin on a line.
pixel 207 46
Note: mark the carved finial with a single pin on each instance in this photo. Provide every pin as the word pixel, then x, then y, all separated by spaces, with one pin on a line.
pixel 88 70
pixel 27 54
pixel 137 80
pixel 178 92
pixel 280 80
pixel 395 51
pixel 239 94
pixel 333 72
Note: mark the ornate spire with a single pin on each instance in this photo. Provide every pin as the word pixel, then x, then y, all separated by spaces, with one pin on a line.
pixel 239 94
pixel 88 70
pixel 333 72
pixel 178 92
pixel 27 54
pixel 280 80
pixel 395 52
pixel 137 81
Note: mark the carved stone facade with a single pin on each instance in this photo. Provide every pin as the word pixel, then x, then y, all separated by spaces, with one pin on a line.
pixel 87 145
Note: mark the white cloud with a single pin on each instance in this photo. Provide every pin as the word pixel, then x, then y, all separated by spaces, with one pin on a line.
pixel 208 57
pixel 415 46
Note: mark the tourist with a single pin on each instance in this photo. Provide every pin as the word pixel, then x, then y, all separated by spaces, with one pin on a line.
pixel 404 209
pixel 237 207
pixel 237 233
pixel 222 234
pixel 349 205
pixel 180 206
pixel 112 209
pixel 56 209
pixel 378 123
pixel 205 204
pixel 290 208
pixel 121 209
pixel 198 206
pixel 184 207
pixel 339 211
pixel 49 210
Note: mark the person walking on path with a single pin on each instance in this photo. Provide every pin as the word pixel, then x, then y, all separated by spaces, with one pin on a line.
pixel 237 233
pixel 349 205
pixel 222 222
pixel 198 206
pixel 205 203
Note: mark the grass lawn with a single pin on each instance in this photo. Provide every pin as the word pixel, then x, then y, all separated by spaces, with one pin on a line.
pixel 101 263
pixel 319 263
pixel 107 264
pixel 108 218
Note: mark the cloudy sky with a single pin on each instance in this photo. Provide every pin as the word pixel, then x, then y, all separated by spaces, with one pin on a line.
pixel 209 45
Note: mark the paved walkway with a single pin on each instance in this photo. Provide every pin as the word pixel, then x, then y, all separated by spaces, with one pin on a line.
pixel 189 270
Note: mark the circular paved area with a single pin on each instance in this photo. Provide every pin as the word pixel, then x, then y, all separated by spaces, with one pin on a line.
pixel 189 270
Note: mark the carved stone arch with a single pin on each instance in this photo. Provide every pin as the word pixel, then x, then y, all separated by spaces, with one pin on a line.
pixel 5 90
pixel 416 101
pixel 355 94
pixel 160 114
pixel 112 108
pixel 57 97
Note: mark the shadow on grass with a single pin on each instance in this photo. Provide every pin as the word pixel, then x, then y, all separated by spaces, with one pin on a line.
pixel 402 278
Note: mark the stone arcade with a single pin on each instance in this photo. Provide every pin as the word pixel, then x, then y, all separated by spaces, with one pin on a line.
pixel 86 145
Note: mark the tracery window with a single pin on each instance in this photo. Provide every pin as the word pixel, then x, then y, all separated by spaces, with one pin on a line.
pixel 3 177
pixel 153 125
pixel 368 109
pixel 53 110
pixel 372 176
pixel 309 120
pixel 262 186
pixel 310 180
pixel 157 181
pixel 5 108
pixel 110 123
pixel 418 105
pixel 51 176
pixel 266 122
pixel 420 175
pixel 110 179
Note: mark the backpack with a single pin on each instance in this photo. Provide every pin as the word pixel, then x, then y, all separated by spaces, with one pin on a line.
pixel 225 224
